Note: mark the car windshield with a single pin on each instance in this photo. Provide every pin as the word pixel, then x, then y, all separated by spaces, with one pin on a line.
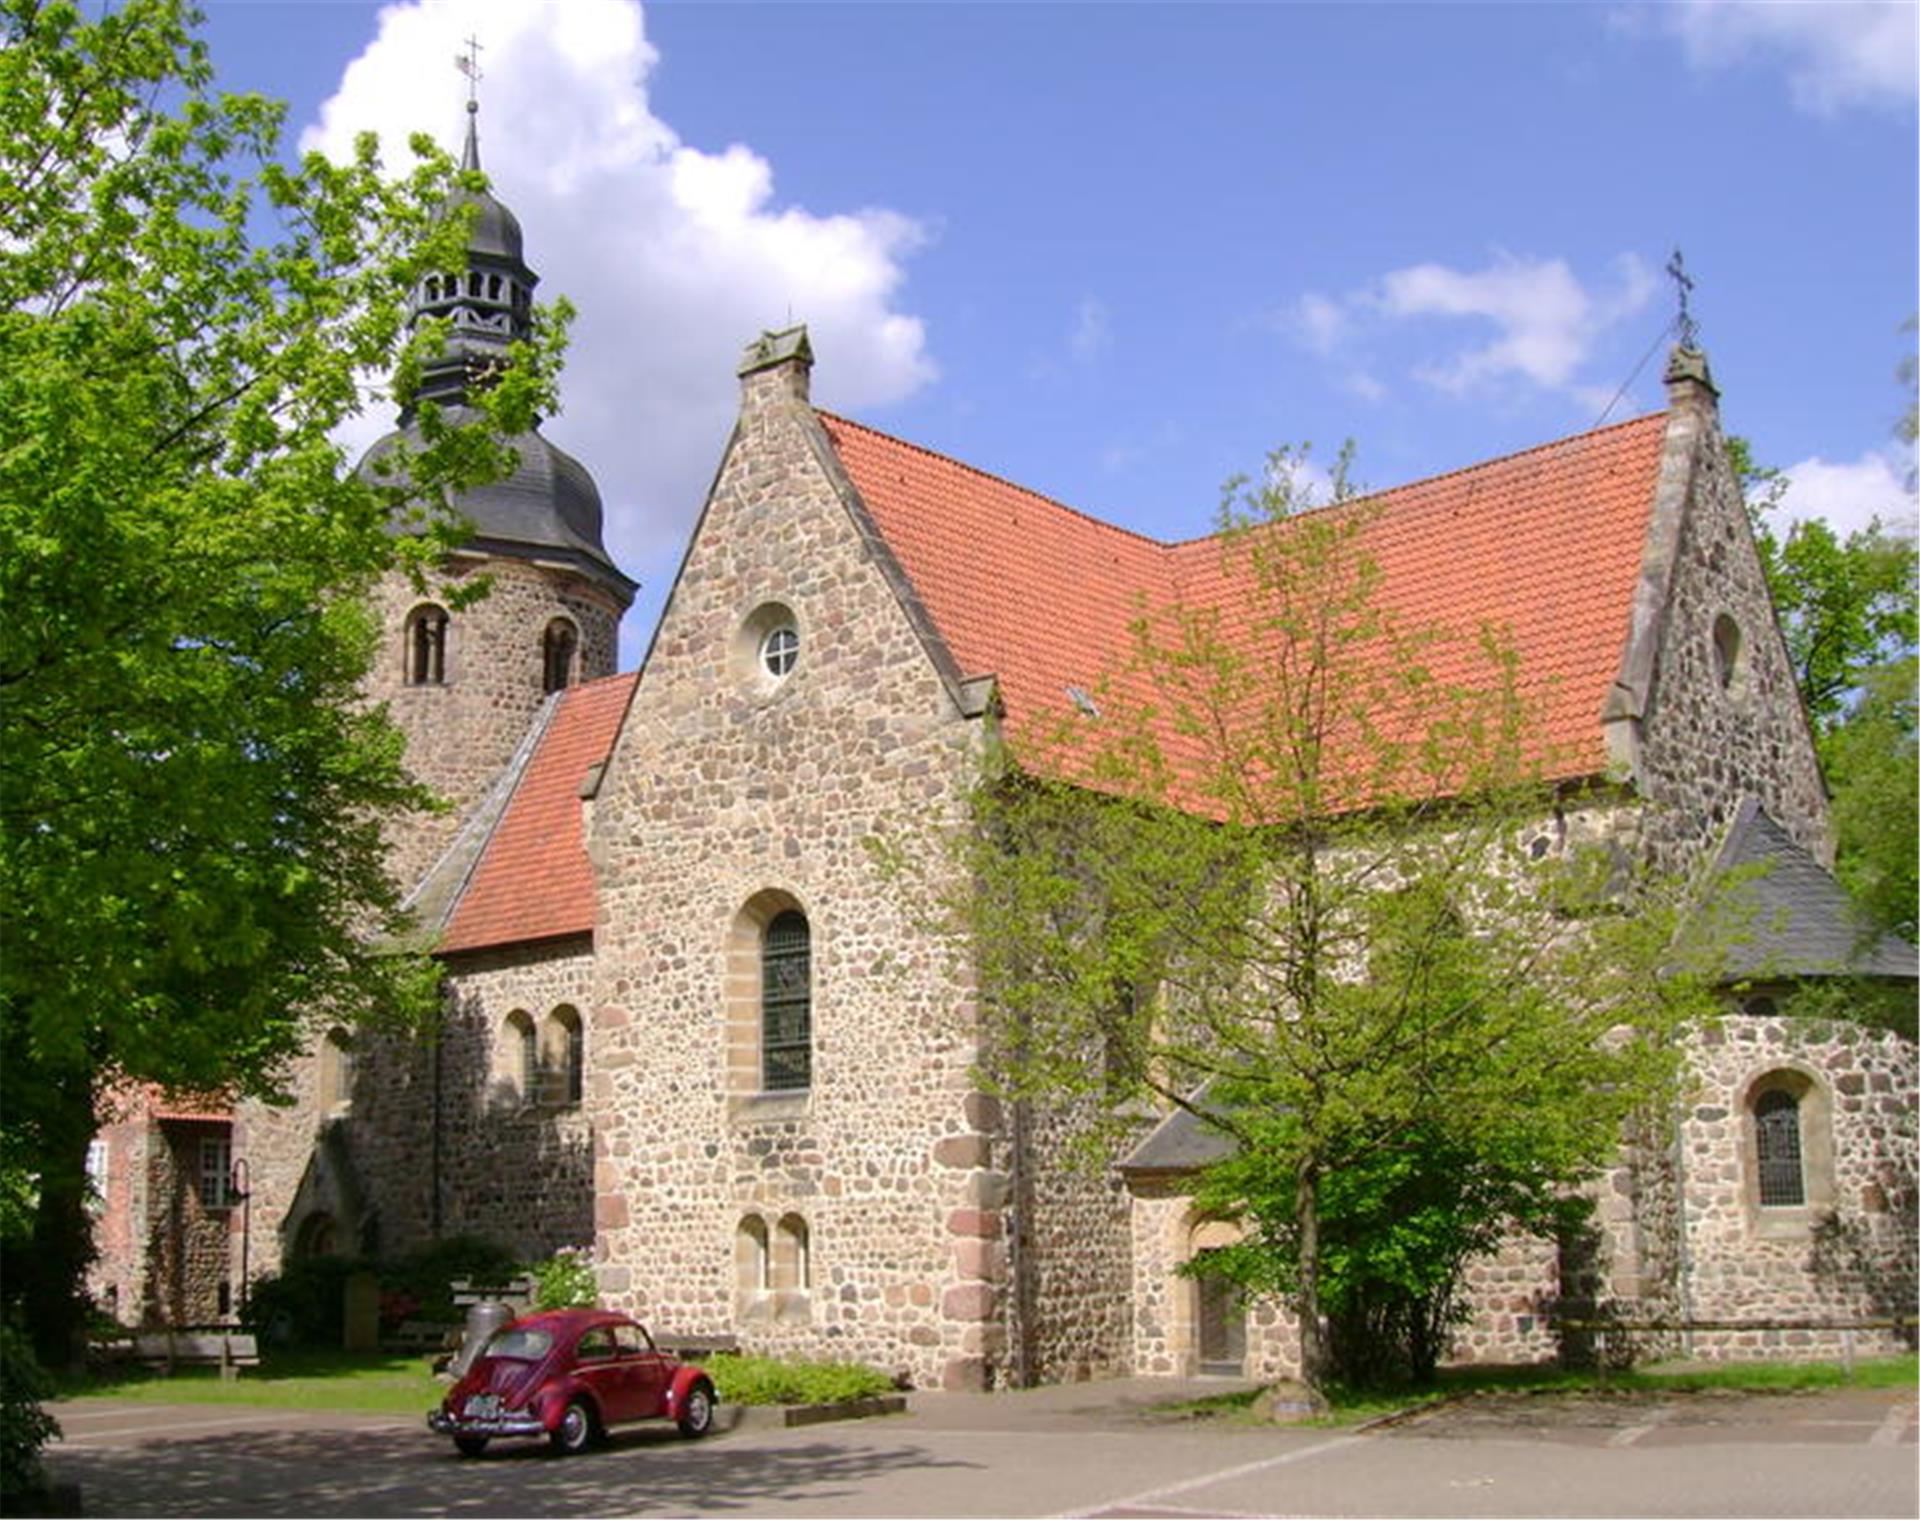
pixel 520 1345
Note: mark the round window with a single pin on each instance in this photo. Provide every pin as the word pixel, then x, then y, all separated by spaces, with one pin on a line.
pixel 780 650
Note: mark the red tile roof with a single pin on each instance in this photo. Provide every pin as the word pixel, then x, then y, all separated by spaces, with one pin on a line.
pixel 533 880
pixel 1547 543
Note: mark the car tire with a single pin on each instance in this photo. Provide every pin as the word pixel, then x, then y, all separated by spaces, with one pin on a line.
pixel 574 1434
pixel 696 1414
pixel 469 1446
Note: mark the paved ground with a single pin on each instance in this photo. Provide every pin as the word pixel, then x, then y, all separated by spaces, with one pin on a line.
pixel 1096 1450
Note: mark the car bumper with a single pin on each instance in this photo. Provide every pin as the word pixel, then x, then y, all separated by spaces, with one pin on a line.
pixel 513 1424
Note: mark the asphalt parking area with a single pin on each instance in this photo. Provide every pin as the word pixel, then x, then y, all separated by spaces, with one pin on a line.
pixel 1096 1450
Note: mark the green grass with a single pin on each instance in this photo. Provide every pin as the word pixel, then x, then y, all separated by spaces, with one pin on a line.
pixel 1351 1406
pixel 372 1384
pixel 376 1384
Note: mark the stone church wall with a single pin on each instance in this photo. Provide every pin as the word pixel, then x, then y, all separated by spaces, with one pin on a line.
pixel 731 797
pixel 1723 724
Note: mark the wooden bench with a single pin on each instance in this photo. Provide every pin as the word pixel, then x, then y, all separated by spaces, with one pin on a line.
pixel 422 1336
pixel 229 1350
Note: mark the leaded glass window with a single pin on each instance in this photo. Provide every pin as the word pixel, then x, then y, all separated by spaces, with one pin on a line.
pixel 786 1003
pixel 1776 1126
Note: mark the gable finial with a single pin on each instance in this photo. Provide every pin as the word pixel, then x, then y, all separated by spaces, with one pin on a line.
pixel 1686 330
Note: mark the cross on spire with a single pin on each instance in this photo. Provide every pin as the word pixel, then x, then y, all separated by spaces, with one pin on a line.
pixel 468 63
pixel 1687 330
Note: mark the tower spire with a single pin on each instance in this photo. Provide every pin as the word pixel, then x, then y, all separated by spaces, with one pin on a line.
pixel 468 63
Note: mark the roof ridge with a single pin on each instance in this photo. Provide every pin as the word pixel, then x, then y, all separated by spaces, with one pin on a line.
pixel 1012 485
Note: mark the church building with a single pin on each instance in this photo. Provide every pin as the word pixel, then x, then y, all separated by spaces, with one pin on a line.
pixel 691 1025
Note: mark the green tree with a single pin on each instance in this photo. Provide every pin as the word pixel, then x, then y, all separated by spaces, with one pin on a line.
pixel 1299 885
pixel 191 861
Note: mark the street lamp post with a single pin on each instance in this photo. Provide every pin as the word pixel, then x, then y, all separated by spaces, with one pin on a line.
pixel 239 1188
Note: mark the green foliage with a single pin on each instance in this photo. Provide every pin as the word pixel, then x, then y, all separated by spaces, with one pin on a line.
pixel 769 1380
pixel 1316 894
pixel 1873 767
pixel 421 1280
pixel 305 1303
pixel 25 1425
pixel 565 1280
pixel 189 787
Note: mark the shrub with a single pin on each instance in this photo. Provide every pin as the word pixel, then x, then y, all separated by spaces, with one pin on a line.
pixel 25 1426
pixel 767 1380
pixel 421 1280
pixel 304 1304
pixel 565 1280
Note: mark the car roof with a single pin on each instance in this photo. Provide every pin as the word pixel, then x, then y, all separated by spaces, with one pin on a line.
pixel 570 1321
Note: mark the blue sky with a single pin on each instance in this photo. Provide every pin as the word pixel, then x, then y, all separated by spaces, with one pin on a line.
pixel 1115 253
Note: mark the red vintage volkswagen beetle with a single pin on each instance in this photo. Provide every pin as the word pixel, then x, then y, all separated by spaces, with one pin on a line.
pixel 571 1375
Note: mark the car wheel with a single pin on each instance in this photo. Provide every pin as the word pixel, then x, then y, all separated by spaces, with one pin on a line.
pixel 696 1415
pixel 469 1446
pixel 574 1433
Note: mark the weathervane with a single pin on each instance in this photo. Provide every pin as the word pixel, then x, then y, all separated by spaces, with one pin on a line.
pixel 1684 325
pixel 468 63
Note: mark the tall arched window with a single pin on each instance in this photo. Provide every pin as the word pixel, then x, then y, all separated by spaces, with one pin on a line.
pixel 336 1070
pixel 426 648
pixel 1776 1148
pixel 792 1253
pixel 519 1056
pixel 566 1057
pixel 786 1003
pixel 752 1273
pixel 557 649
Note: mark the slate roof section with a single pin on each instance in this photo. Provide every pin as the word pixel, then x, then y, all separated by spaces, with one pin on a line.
pixel 1546 542
pixel 532 880
pixel 1795 919
pixel 1179 1144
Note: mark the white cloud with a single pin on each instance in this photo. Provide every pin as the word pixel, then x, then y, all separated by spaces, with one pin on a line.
pixel 1544 321
pixel 1835 54
pixel 674 256
pixel 1849 494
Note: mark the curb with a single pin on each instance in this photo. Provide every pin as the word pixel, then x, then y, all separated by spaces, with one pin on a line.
pixel 787 1416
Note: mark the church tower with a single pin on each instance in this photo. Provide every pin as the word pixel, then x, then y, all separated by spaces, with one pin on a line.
pixel 468 686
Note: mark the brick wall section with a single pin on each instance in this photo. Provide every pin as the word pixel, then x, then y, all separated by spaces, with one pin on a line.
pixel 724 788
pixel 461 735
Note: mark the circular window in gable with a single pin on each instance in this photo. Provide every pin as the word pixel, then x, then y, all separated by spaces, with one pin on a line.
pixel 766 650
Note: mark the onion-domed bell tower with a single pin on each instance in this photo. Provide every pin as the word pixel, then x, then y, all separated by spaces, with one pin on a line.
pixel 468 686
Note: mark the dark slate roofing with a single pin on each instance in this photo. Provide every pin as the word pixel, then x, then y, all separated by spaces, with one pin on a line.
pixel 1796 919
pixel 547 508
pixel 1179 1143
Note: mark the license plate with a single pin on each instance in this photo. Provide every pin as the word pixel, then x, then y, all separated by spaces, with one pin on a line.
pixel 483 1406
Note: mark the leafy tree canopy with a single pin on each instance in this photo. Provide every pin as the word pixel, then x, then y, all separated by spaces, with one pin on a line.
pixel 190 790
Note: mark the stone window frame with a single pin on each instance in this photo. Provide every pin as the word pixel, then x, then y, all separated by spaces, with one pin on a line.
pixel 773 1268
pixel 1728 647
pixel 563 1057
pixel 426 643
pixel 559 655
pixel 1814 1102
pixel 517 1057
pixel 334 1083
pixel 749 655
pixel 749 1098
pixel 792 1254
pixel 99 1170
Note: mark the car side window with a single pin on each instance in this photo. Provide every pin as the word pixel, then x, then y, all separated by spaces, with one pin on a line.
pixel 595 1346
pixel 631 1340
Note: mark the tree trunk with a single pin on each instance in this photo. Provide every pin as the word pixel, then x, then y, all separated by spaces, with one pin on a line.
pixel 1314 1360
pixel 51 1270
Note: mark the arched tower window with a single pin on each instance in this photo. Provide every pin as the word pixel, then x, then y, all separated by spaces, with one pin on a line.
pixel 426 646
pixel 792 1253
pixel 518 1060
pixel 1776 1146
pixel 752 1273
pixel 786 1003
pixel 557 650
